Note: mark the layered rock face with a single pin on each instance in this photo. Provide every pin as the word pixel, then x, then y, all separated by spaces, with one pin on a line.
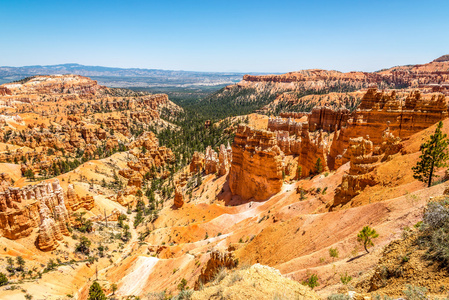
pixel 364 158
pixel 198 162
pixel 43 205
pixel 435 72
pixel 18 217
pixel 53 214
pixel 224 159
pixel 291 101
pixel 257 164
pixel 315 75
pixel 327 119
pixel 56 84
pixel 179 198
pixel 60 126
pixel 294 138
pixel 257 167
pixel 380 115
pixel 320 118
pixel 40 206
pixel 4 91
pixel 403 113
pixel 289 125
pixel 147 139
pixel 75 202
pixel 5 182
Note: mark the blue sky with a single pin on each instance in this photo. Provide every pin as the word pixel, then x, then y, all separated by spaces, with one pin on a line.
pixel 259 36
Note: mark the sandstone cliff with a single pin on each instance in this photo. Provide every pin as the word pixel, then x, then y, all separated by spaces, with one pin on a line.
pixel 42 206
pixel 198 162
pixel 364 158
pixel 55 84
pixel 257 164
pixel 403 113
pixel 178 202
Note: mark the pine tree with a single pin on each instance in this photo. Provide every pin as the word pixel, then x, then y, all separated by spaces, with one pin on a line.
pixel 96 292
pixel 3 279
pixel 21 262
pixel 114 288
pixel 199 179
pixel 318 166
pixel 434 155
pixel 366 235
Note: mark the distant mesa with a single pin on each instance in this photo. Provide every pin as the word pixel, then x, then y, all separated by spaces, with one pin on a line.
pixel 442 58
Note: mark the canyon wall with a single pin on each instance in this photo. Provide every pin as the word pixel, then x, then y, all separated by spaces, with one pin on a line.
pixel 42 206
pixel 364 157
pixel 320 118
pixel 55 84
pixel 402 113
pixel 257 164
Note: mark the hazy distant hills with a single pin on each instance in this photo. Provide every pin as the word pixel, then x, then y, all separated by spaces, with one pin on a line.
pixel 119 77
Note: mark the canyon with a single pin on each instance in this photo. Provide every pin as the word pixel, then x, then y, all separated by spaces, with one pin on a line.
pixel 101 184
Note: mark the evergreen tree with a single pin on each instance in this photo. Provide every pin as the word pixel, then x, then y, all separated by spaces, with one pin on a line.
pixel 366 235
pixel 21 262
pixel 318 166
pixel 3 279
pixel 434 155
pixel 96 292
pixel 114 288
pixel 199 179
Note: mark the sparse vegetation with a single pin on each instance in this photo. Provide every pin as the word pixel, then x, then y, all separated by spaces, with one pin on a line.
pixel 345 278
pixel 83 246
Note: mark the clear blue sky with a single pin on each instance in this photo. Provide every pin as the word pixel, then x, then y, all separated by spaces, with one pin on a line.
pixel 260 36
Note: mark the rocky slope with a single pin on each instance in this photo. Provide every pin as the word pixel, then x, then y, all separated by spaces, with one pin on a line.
pixel 256 282
pixel 37 206
pixel 51 116
pixel 237 221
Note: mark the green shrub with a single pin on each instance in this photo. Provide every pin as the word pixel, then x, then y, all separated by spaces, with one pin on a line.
pixel 83 246
pixel 379 297
pixel 3 279
pixel 435 232
pixel 183 285
pixel 345 278
pixel 312 281
pixel 415 292
pixel 333 252
pixel 338 297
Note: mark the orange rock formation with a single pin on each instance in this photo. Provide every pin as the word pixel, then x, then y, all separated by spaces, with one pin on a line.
pixel 257 164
